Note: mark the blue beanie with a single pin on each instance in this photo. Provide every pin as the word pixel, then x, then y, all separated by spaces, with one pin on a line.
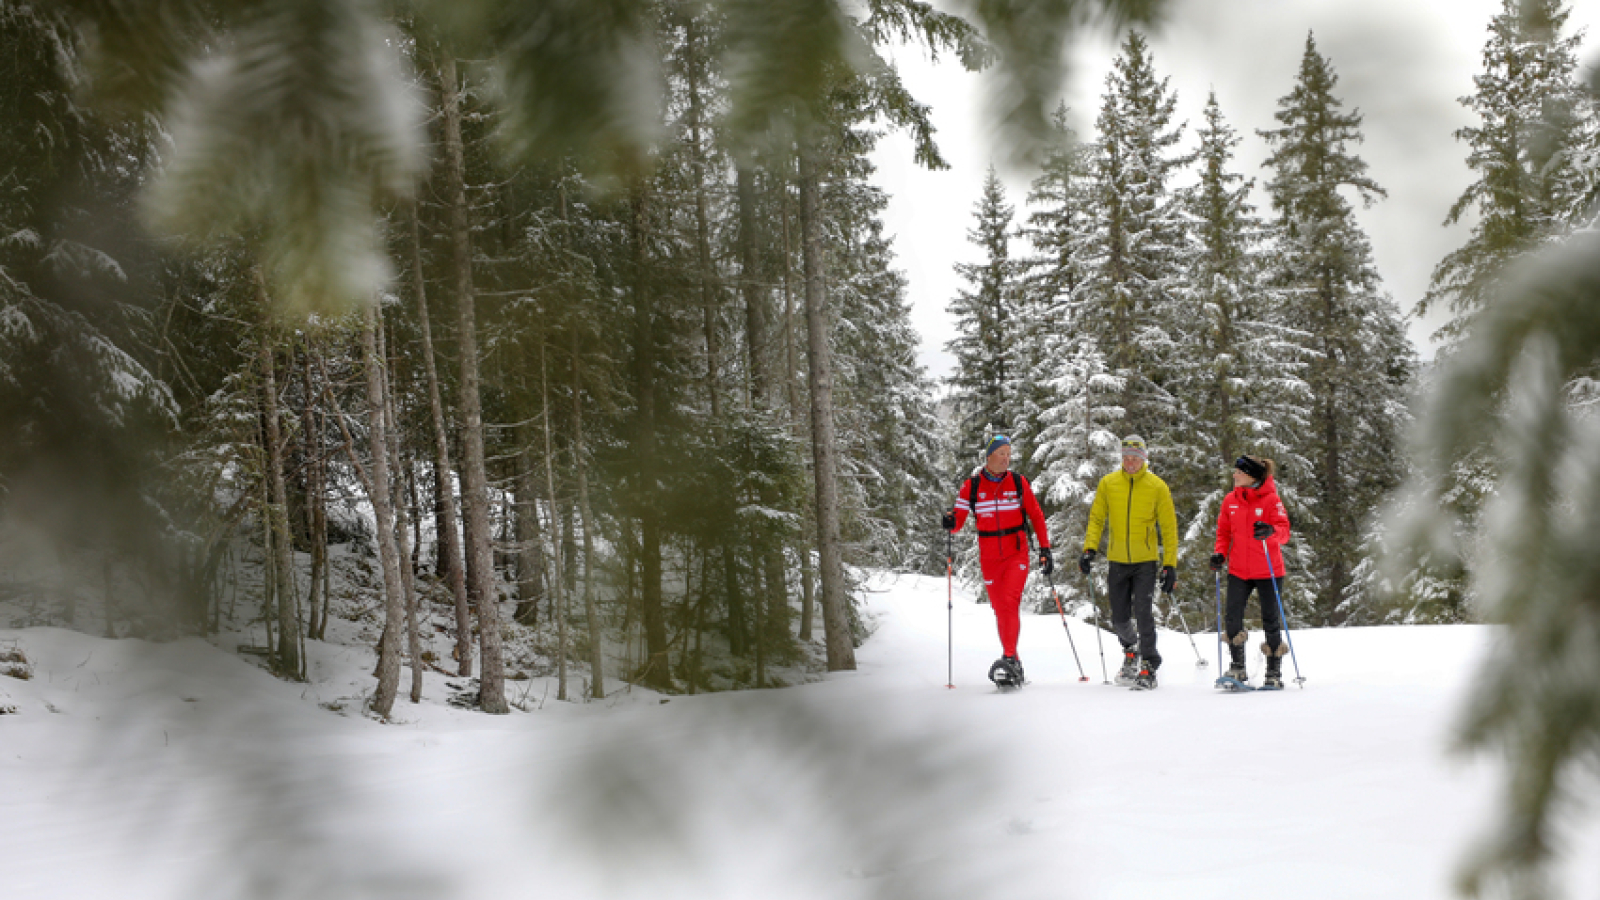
pixel 995 443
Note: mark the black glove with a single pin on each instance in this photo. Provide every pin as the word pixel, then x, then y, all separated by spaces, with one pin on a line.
pixel 1085 560
pixel 1217 559
pixel 1047 563
pixel 1169 579
pixel 1263 530
pixel 948 520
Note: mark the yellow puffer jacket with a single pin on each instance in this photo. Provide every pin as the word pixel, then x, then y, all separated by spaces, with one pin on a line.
pixel 1131 508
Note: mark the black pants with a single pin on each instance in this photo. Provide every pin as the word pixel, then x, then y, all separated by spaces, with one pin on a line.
pixel 1267 595
pixel 1131 588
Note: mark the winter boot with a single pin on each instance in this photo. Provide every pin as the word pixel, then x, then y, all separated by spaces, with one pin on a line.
pixel 1006 672
pixel 1130 667
pixel 1146 679
pixel 1016 668
pixel 1273 680
pixel 1237 670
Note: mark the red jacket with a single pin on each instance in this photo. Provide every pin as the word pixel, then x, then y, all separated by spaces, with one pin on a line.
pixel 1241 509
pixel 999 515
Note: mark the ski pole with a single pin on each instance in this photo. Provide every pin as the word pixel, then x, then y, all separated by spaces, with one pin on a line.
pixel 1088 581
pixel 1218 578
pixel 1283 617
pixel 1198 660
pixel 1070 643
pixel 950 610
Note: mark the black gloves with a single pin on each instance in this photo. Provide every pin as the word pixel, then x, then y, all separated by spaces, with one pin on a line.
pixel 1085 560
pixel 948 521
pixel 1047 563
pixel 1169 579
pixel 1263 530
pixel 1217 559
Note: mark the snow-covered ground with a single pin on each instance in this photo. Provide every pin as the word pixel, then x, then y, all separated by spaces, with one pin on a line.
pixel 136 770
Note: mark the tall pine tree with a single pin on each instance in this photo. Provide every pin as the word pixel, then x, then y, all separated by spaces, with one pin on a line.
pixel 986 321
pixel 1362 360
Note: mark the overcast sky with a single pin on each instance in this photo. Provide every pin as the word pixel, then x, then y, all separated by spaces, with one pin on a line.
pixel 1401 63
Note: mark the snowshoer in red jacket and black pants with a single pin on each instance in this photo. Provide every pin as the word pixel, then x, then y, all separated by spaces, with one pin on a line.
pixel 1252 516
pixel 1003 503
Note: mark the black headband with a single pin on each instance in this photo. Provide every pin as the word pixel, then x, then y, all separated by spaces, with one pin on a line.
pixel 1255 468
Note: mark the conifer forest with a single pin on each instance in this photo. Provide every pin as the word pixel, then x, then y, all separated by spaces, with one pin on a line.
pixel 568 336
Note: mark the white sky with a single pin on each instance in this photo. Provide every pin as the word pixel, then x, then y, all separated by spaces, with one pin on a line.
pixel 1402 65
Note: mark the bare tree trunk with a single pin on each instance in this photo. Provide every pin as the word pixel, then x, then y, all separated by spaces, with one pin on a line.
pixel 585 522
pixel 288 658
pixel 800 417
pixel 756 312
pixel 381 496
pixel 402 523
pixel 835 601
pixel 702 226
pixel 316 509
pixel 531 576
pixel 491 689
pixel 550 485
pixel 657 669
pixel 444 490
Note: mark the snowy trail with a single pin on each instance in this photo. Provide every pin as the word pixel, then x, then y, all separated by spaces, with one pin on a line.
pixel 179 770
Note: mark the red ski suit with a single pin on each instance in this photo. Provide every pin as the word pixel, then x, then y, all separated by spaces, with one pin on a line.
pixel 1002 543
pixel 1241 509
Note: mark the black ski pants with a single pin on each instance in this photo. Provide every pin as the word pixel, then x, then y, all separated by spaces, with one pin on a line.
pixel 1131 588
pixel 1267 594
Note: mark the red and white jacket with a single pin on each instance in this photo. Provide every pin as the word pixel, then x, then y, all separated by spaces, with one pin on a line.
pixel 999 512
pixel 1241 509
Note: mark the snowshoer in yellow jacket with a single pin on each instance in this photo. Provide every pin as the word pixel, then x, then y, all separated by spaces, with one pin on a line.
pixel 1133 510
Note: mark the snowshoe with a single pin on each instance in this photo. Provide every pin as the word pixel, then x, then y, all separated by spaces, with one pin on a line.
pixel 1129 673
pixel 1006 673
pixel 1146 679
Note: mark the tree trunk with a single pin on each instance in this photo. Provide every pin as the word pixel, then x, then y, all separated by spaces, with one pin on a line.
pixel 381 496
pixel 755 299
pixel 531 576
pixel 479 549
pixel 835 601
pixel 316 509
pixel 585 519
pixel 444 491
pixel 656 670
pixel 288 658
pixel 702 225
pixel 402 523
pixel 799 419
pixel 550 484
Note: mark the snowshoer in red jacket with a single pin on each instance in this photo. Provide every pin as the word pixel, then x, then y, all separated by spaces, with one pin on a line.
pixel 1003 504
pixel 1250 525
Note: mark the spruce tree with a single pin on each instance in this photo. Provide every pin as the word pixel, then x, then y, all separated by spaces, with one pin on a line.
pixel 1056 231
pixel 1527 104
pixel 1361 360
pixel 985 320
pixel 1239 383
pixel 1128 299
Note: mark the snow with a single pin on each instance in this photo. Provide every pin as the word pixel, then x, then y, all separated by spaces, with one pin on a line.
pixel 181 769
